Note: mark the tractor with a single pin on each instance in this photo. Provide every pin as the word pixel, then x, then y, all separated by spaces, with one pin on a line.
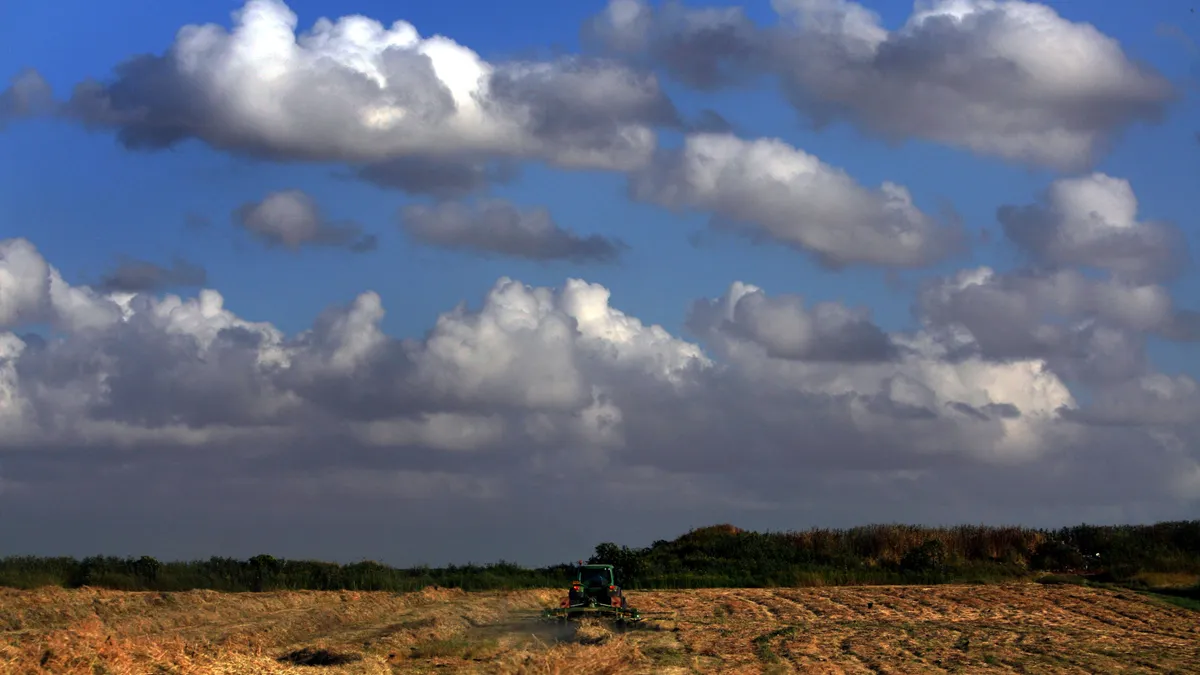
pixel 594 592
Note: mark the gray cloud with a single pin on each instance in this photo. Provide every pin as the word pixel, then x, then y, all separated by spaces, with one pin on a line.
pixel 443 178
pixel 581 104
pixel 140 275
pixel 1087 329
pixel 28 95
pixel 705 48
pixel 499 227
pixel 1091 221
pixel 986 77
pixel 292 218
pixel 786 329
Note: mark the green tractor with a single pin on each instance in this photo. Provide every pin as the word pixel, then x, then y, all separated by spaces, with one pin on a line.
pixel 594 592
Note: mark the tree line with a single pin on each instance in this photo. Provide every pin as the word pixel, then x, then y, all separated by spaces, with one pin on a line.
pixel 715 556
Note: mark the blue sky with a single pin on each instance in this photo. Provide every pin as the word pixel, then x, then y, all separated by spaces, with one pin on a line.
pixel 86 202
pixel 74 187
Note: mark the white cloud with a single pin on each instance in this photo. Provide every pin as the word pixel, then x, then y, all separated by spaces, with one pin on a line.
pixel 772 189
pixel 1001 411
pixel 1008 79
pixel 1002 78
pixel 1091 221
pixel 33 292
pixel 786 329
pixel 356 90
pixel 550 366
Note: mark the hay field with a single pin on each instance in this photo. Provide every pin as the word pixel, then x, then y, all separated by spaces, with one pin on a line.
pixel 1004 628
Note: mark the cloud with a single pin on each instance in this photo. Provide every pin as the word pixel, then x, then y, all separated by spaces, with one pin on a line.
pixel 498 409
pixel 33 292
pixel 136 276
pixel 1091 221
pixel 1153 399
pixel 705 48
pixel 354 90
pixel 292 218
pixel 1024 395
pixel 28 95
pixel 769 189
pixel 1085 328
pixel 536 366
pixel 499 227
pixel 443 178
pixel 533 367
pixel 1006 79
pixel 786 329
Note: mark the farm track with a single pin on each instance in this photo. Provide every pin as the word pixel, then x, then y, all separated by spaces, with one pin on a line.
pixel 1015 628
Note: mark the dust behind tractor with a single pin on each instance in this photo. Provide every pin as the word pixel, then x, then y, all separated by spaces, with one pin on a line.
pixel 594 592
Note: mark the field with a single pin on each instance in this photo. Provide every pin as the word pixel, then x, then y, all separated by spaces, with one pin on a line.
pixel 1024 627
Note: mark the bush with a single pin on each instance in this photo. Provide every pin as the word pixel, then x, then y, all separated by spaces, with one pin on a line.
pixel 1057 555
pixel 929 557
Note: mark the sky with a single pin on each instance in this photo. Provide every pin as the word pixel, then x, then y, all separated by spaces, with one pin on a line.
pixel 431 283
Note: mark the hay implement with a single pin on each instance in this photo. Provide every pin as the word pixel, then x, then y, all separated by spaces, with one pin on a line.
pixel 594 592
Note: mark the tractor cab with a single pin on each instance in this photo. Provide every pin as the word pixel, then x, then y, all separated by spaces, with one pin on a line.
pixel 595 576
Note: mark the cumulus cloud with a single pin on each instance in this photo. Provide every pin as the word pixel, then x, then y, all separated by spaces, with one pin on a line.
pixel 499 227
pixel 1091 221
pixel 1085 328
pixel 786 329
pixel 503 406
pixel 355 90
pixel 1002 78
pixel 539 367
pixel 769 189
pixel 136 276
pixel 292 218
pixel 33 292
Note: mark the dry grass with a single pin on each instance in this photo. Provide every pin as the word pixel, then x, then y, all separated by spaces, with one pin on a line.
pixel 1004 628
pixel 1168 579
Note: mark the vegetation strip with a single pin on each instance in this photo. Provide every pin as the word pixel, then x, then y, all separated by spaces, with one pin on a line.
pixel 1164 557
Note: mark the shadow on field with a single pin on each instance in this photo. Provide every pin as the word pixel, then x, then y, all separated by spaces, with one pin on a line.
pixel 318 657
